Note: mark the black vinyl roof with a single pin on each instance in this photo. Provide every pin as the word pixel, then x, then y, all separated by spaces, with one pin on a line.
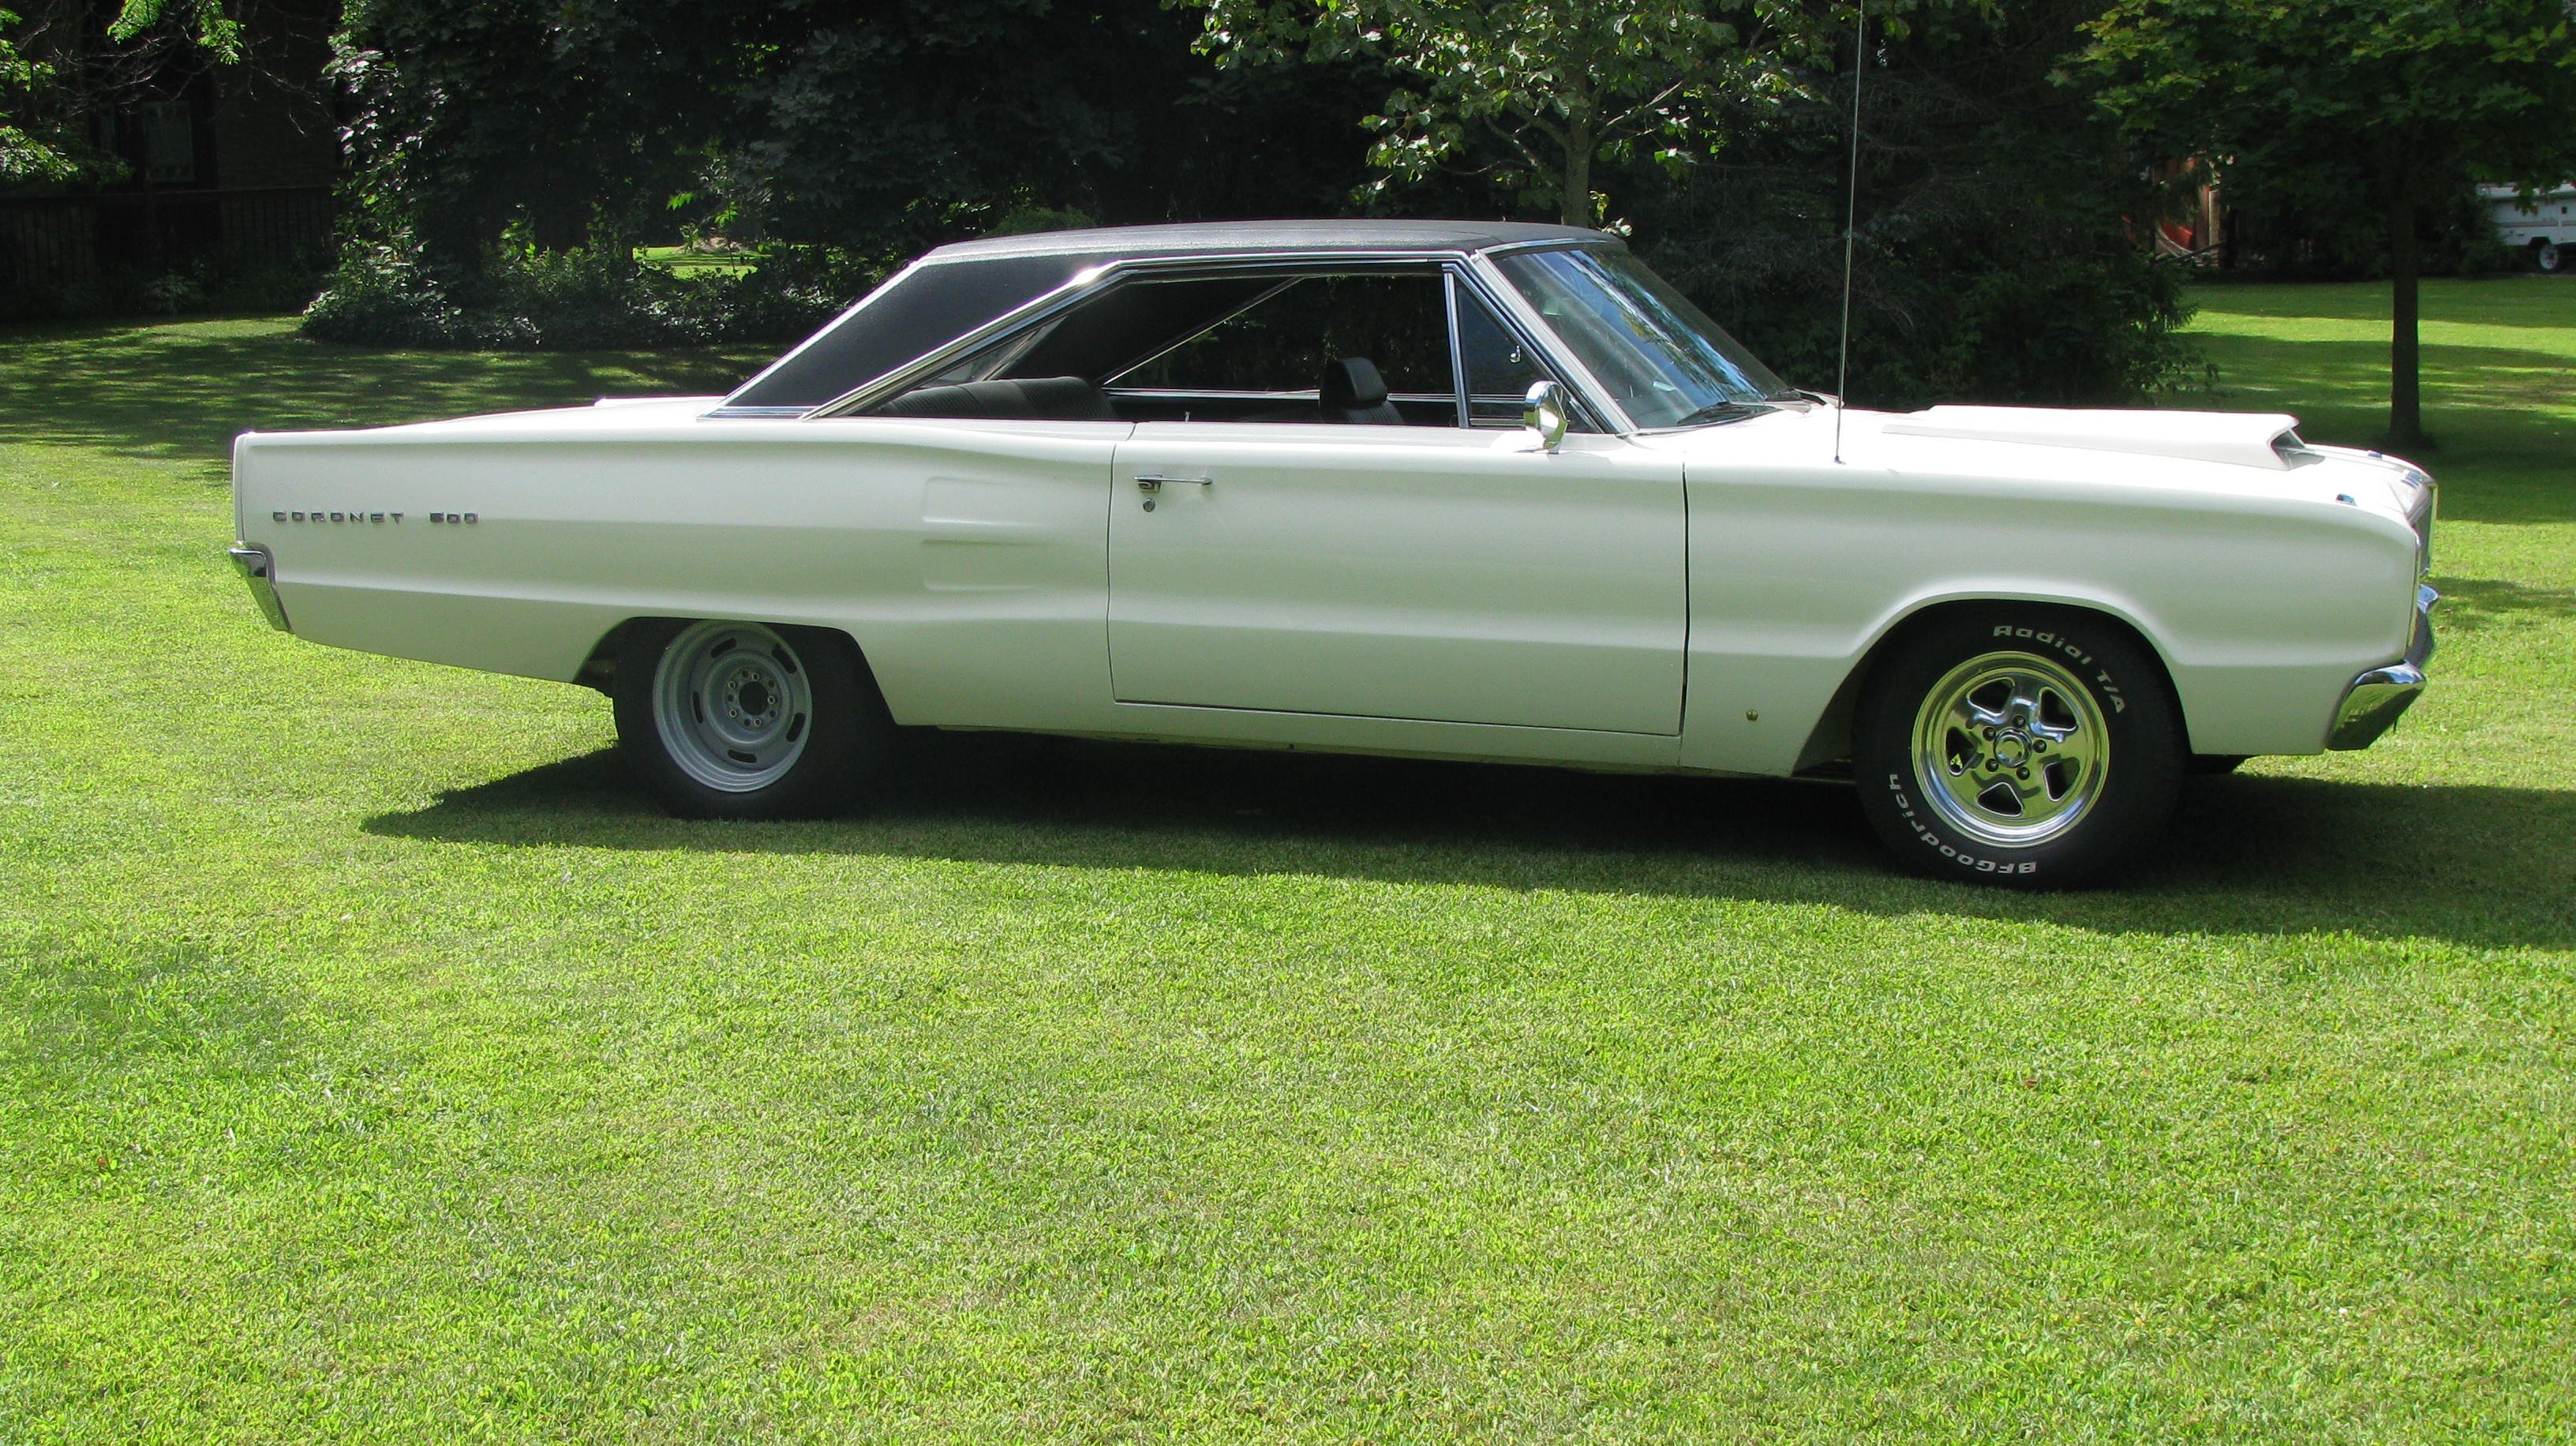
pixel 967 284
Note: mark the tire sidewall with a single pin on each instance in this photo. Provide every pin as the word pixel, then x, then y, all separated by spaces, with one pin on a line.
pixel 845 744
pixel 2147 752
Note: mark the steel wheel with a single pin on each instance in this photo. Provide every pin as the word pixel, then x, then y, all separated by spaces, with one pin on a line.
pixel 2010 749
pixel 2549 255
pixel 733 705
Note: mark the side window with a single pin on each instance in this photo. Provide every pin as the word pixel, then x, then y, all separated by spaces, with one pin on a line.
pixel 1500 368
pixel 1284 341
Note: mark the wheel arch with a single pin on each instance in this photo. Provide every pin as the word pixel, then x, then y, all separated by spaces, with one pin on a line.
pixel 1830 740
pixel 599 668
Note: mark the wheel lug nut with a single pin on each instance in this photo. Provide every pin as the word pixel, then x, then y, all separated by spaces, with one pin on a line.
pixel 2021 773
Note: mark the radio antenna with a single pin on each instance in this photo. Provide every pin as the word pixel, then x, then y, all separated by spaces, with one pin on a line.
pixel 1851 226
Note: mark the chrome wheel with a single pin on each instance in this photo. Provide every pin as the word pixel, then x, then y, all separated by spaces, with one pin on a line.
pixel 2010 749
pixel 733 705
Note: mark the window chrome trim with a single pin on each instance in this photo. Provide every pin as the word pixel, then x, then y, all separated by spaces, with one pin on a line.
pixel 1457 347
pixel 1480 277
pixel 1555 243
pixel 740 413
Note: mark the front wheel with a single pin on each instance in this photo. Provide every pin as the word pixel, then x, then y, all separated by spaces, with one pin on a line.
pixel 2548 255
pixel 2033 747
pixel 726 719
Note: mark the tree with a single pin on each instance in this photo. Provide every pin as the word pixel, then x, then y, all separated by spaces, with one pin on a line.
pixel 1994 257
pixel 877 128
pixel 1562 83
pixel 2405 95
pixel 31 148
pixel 48 80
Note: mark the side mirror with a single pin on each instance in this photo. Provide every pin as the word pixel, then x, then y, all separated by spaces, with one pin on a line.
pixel 1543 412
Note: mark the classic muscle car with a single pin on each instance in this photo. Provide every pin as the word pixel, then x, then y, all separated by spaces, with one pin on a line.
pixel 1444 489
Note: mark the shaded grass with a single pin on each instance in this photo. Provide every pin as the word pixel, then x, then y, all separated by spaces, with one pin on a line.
pixel 374 1064
pixel 181 393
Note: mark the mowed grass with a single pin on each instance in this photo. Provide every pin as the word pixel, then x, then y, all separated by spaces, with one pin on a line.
pixel 375 1064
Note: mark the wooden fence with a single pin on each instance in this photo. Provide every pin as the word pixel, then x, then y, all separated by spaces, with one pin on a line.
pixel 49 241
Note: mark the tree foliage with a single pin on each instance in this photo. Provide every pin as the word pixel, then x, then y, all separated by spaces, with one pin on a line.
pixel 1561 83
pixel 1564 85
pixel 51 77
pixel 2406 97
pixel 30 148
pixel 879 128
pixel 1995 257
pixel 1996 262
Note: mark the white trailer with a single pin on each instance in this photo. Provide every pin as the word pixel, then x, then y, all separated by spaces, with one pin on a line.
pixel 2543 227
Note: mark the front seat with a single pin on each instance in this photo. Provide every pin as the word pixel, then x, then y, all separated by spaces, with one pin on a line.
pixel 1352 391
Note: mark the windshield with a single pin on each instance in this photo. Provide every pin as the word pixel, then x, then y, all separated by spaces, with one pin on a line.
pixel 1664 361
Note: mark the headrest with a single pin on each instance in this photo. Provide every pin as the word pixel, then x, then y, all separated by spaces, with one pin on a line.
pixel 1353 382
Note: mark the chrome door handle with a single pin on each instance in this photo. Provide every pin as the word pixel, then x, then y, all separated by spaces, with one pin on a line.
pixel 1154 481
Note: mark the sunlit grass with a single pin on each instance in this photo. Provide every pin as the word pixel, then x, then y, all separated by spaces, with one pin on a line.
pixel 698 261
pixel 374 1064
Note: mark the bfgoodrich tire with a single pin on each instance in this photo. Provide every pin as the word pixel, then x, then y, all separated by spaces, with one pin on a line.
pixel 2032 747
pixel 739 720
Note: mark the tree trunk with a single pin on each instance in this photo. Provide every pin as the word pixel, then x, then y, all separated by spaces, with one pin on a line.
pixel 2405 402
pixel 1575 207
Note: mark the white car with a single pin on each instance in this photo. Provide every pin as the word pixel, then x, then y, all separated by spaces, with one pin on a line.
pixel 1440 489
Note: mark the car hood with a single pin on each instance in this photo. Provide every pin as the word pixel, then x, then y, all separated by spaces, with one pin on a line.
pixel 2224 460
pixel 2269 440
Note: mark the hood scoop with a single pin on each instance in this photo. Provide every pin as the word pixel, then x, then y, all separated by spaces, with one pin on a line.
pixel 2248 439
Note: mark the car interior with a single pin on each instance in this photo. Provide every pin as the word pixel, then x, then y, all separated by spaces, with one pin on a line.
pixel 1355 349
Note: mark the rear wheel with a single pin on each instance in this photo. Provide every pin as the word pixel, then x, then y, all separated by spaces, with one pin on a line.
pixel 725 719
pixel 2548 255
pixel 2033 747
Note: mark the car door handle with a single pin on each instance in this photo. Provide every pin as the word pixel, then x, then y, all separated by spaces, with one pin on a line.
pixel 1154 482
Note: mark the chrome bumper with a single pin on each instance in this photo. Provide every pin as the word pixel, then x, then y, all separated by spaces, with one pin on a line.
pixel 256 569
pixel 2372 702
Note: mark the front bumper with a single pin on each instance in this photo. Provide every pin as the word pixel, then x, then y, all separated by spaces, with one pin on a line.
pixel 2373 701
pixel 257 569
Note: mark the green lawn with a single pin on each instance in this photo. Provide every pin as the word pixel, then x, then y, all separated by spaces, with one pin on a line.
pixel 690 261
pixel 374 1064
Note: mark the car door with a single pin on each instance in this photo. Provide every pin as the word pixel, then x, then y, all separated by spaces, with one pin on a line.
pixel 1422 572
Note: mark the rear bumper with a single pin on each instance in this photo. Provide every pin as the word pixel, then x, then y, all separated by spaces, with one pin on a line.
pixel 2373 701
pixel 256 568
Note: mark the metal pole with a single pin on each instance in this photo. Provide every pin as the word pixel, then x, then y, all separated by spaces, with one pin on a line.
pixel 1851 226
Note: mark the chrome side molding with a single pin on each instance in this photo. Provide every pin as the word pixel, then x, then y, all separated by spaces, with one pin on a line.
pixel 256 568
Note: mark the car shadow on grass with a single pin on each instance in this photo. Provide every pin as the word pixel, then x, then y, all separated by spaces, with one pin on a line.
pixel 2486 867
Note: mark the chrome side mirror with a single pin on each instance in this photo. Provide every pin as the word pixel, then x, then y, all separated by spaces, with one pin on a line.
pixel 1543 412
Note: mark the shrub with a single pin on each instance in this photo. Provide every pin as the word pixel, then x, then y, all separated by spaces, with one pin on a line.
pixel 525 298
pixel 210 283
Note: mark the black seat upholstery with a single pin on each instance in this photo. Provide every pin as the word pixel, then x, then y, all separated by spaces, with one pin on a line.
pixel 1034 399
pixel 1352 391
